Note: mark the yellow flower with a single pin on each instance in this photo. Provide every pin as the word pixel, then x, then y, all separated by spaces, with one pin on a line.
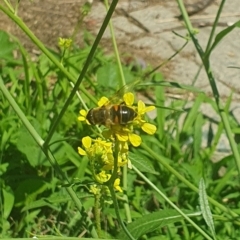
pixel 102 177
pixel 123 134
pixel 102 101
pixel 101 157
pixel 148 128
pixel 83 115
pixel 141 110
pixel 87 142
pixel 64 42
pixel 117 185
pixel 126 135
pixel 128 98
pixel 94 189
pixel 100 152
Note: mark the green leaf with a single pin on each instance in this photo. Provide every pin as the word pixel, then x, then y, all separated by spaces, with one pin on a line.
pixel 108 76
pixel 28 190
pixel 188 123
pixel 148 223
pixel 7 46
pixel 221 35
pixel 160 99
pixel 3 168
pixel 173 85
pixel 142 163
pixel 197 135
pixel 53 201
pixel 8 201
pixel 204 206
pixel 29 147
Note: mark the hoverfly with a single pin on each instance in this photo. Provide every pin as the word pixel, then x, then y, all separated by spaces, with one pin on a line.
pixel 114 111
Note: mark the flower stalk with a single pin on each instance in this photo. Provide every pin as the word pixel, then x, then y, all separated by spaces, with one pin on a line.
pixel 108 153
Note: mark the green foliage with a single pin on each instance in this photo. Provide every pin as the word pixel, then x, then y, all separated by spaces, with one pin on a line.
pixel 44 182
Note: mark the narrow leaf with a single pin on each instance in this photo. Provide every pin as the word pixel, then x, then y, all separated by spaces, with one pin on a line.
pixel 221 35
pixel 8 201
pixel 204 206
pixel 173 85
pixel 142 163
pixel 148 223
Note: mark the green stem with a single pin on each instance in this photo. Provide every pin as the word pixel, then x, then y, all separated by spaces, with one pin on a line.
pixel 110 185
pixel 166 61
pixel 123 82
pixel 116 207
pixel 48 154
pixel 213 85
pixel 55 61
pixel 97 213
pixel 125 197
pixel 214 26
pixel 171 203
pixel 164 161
pixel 26 85
pixel 21 115
pixel 10 7
pixel 84 70
pixel 115 166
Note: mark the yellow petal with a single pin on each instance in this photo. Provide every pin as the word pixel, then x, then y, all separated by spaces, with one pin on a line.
pixel 81 151
pixel 149 108
pixel 116 185
pixel 94 189
pixel 129 164
pixel 122 137
pixel 149 128
pixel 87 142
pixel 128 98
pixel 102 177
pixel 102 101
pixel 83 112
pixel 141 106
pixel 81 118
pixel 88 122
pixel 135 140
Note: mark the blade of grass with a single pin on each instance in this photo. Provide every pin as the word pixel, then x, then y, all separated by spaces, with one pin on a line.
pixel 164 162
pixel 85 67
pixel 197 135
pixel 48 154
pixel 188 122
pixel 215 25
pixel 171 203
pixel 123 82
pixel 206 211
pixel 213 85
pixel 26 78
pixel 160 99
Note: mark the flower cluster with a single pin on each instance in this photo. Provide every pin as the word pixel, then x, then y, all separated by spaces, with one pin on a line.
pixel 100 154
pixel 125 133
pixel 101 151
pixel 64 42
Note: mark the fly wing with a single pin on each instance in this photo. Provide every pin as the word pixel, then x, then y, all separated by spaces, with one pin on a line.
pixel 117 98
